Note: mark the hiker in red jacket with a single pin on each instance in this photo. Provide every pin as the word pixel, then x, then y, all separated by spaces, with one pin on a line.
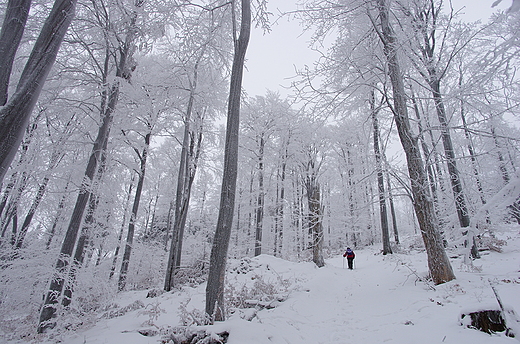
pixel 350 257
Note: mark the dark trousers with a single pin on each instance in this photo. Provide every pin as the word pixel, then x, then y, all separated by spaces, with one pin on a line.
pixel 350 262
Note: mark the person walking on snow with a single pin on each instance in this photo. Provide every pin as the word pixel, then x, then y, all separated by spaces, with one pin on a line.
pixel 350 257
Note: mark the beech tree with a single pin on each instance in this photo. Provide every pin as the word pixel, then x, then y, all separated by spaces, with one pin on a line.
pixel 438 263
pixel 215 287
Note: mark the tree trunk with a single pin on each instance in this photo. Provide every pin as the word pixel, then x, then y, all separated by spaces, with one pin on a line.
pixel 15 114
pixel 515 207
pixel 133 216
pixel 280 202
pixel 13 27
pixel 260 198
pixel 55 157
pixel 215 286
pixel 438 262
pixel 380 178
pixel 471 150
pixel 86 230
pixel 315 220
pixel 456 184
pixel 18 185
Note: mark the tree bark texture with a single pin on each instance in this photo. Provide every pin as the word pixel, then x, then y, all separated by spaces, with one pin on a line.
pixel 215 287
pixel 438 262
pixel 13 27
pixel 15 114
pixel 315 220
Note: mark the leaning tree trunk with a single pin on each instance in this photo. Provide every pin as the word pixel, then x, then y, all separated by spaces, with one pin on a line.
pixel 515 207
pixel 85 234
pixel 58 217
pixel 181 210
pixel 470 147
pixel 217 268
pixel 13 27
pixel 20 183
pixel 438 262
pixel 15 114
pixel 380 178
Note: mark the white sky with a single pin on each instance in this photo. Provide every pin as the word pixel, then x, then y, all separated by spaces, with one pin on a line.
pixel 273 58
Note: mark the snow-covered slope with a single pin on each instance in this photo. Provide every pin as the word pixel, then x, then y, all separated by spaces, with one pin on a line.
pixel 383 300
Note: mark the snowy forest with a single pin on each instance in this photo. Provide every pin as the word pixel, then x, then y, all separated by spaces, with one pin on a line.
pixel 132 159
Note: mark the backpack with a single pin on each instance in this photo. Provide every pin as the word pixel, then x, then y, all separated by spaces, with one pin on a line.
pixel 350 254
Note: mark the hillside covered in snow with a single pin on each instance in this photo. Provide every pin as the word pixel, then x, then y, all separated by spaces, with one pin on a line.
pixel 385 299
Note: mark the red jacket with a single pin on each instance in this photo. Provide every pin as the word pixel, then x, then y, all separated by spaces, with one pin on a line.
pixel 349 254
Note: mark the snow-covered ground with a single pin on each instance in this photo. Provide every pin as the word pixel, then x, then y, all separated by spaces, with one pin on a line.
pixel 382 300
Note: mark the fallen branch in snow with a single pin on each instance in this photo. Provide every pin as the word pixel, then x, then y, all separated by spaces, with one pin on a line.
pixel 418 278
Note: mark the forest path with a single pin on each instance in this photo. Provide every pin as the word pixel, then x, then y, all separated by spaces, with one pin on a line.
pixel 379 301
